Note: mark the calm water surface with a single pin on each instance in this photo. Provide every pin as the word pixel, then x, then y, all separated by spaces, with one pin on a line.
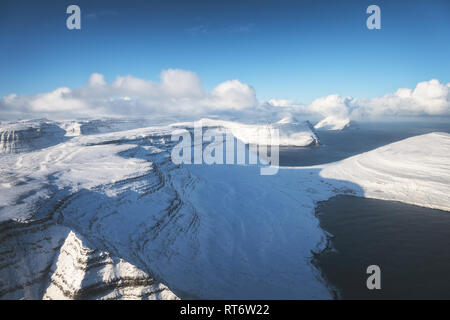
pixel 410 244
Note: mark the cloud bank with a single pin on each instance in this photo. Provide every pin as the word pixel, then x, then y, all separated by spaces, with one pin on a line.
pixel 428 98
pixel 180 93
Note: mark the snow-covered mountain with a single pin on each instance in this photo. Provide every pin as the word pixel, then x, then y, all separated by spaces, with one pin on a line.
pixel 23 136
pixel 109 215
pixel 334 123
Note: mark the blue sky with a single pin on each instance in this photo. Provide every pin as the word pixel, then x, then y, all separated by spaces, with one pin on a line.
pixel 298 50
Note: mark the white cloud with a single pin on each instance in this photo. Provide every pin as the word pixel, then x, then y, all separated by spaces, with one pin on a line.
pixel 60 99
pixel 180 93
pixel 181 83
pixel 332 105
pixel 283 103
pixel 233 95
pixel 96 80
pixel 428 98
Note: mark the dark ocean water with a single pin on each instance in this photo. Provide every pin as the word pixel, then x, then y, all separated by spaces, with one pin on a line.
pixel 410 244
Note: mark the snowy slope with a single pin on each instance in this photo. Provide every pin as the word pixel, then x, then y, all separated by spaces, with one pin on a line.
pixel 415 170
pixel 220 231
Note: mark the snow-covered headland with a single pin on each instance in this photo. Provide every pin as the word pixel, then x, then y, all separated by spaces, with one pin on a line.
pixel 291 132
pixel 335 123
pixel 109 215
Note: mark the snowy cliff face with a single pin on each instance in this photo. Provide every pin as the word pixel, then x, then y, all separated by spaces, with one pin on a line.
pixel 111 216
pixel 79 272
pixel 296 133
pixel 291 132
pixel 29 135
pixel 42 260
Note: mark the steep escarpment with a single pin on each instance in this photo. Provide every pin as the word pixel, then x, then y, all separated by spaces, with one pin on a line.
pixel 42 252
pixel 26 136
pixel 27 251
pixel 42 259
pixel 80 272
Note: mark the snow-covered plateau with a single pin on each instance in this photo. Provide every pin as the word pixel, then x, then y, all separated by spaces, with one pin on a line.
pixel 110 216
